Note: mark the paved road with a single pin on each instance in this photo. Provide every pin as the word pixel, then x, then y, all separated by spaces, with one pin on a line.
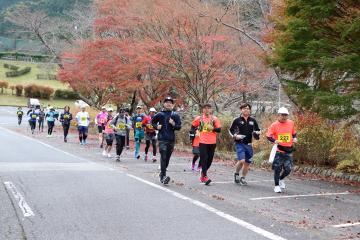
pixel 52 190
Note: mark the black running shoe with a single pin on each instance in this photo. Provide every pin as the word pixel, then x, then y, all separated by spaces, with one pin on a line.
pixel 166 180
pixel 242 181
pixel 236 178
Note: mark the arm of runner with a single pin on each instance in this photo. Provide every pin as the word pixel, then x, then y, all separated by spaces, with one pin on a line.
pixel 177 121
pixel 232 129
pixel 270 135
pixel 155 121
pixel 217 125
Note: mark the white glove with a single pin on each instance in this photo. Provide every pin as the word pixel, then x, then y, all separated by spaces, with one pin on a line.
pixel 239 136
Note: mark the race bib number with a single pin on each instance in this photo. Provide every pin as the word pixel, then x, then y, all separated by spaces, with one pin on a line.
pixel 138 124
pixel 19 113
pixel 33 116
pixel 102 121
pixel 121 126
pixel 206 128
pixel 66 116
pixel 83 119
pixel 284 138
pixel 149 126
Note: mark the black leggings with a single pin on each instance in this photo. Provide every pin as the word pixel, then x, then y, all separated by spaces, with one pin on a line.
pixel 207 152
pixel 195 158
pixel 50 127
pixel 32 125
pixel 165 148
pixel 120 143
pixel 19 119
pixel 66 129
pixel 148 146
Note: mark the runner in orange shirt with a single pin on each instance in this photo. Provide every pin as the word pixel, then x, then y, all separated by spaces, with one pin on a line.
pixel 208 126
pixel 282 132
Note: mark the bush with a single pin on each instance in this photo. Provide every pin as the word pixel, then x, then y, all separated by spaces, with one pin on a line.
pixel 11 67
pixel 351 163
pixel 3 84
pixel 19 90
pixel 18 73
pixel 36 91
pixel 66 94
pixel 46 77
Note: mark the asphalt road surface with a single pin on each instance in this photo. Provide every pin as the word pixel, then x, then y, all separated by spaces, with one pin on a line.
pixel 53 190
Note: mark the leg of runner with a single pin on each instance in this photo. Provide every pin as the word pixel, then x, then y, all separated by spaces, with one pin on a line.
pixel 120 142
pixel 85 134
pixel 195 158
pixel 165 154
pixel 206 156
pixel 277 167
pixel 66 131
pixel 80 134
pixel 19 120
pixel 127 138
pixel 154 149
pixel 147 146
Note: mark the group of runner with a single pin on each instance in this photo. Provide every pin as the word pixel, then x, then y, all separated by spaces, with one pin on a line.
pixel 158 128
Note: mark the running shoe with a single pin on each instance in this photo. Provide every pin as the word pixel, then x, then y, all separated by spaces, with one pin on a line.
pixel 242 181
pixel 154 159
pixel 146 158
pixel 277 189
pixel 236 178
pixel 104 153
pixel 282 184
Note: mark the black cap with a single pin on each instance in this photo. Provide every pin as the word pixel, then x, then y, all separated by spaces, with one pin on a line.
pixel 168 99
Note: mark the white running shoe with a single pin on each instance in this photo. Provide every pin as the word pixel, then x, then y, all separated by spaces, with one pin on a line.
pixel 282 184
pixel 277 189
pixel 109 155
pixel 104 153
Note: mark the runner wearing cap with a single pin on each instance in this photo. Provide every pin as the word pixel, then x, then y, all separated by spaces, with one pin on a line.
pixel 282 133
pixel 242 131
pixel 83 121
pixel 166 122
pixel 100 121
pixel 120 123
pixel 208 126
pixel 139 133
pixel 150 134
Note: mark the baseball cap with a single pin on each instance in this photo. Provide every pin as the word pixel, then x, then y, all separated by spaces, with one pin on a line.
pixel 283 110
pixel 168 99
pixel 152 110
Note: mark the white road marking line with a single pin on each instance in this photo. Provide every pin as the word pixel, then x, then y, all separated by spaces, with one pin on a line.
pixel 346 225
pixel 207 207
pixel 250 181
pixel 302 195
pixel 48 166
pixel 26 210
pixel 51 147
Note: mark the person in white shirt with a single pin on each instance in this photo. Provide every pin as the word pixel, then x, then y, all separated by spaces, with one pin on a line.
pixel 83 121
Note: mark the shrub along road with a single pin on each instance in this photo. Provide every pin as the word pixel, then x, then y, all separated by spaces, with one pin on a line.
pixel 52 190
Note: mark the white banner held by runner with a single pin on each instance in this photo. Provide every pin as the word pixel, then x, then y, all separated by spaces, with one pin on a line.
pixel 272 153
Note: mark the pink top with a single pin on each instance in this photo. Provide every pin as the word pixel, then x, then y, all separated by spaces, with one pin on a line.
pixel 108 129
pixel 101 118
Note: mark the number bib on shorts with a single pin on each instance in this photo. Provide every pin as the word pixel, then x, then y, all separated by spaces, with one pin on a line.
pixel 284 138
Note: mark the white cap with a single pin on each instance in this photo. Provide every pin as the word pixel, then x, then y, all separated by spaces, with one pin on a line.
pixel 138 107
pixel 103 107
pixel 110 110
pixel 152 110
pixel 283 110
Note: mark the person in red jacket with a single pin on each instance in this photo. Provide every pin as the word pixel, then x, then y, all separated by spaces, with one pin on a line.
pixel 208 126
pixel 150 134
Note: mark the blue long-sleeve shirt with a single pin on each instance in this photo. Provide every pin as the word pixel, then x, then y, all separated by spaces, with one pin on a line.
pixel 167 131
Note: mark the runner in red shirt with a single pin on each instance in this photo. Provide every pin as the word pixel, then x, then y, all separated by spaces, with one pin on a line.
pixel 208 126
pixel 282 132
pixel 150 134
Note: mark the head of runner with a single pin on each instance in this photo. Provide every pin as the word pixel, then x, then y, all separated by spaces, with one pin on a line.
pixel 283 114
pixel 168 103
pixel 207 109
pixel 152 111
pixel 245 109
pixel 66 109
pixel 138 109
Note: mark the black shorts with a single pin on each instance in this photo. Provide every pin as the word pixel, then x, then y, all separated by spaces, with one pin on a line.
pixel 101 128
pixel 109 142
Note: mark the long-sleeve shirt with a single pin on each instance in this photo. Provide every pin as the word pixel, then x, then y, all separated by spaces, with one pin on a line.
pixel 246 127
pixel 120 124
pixel 167 131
